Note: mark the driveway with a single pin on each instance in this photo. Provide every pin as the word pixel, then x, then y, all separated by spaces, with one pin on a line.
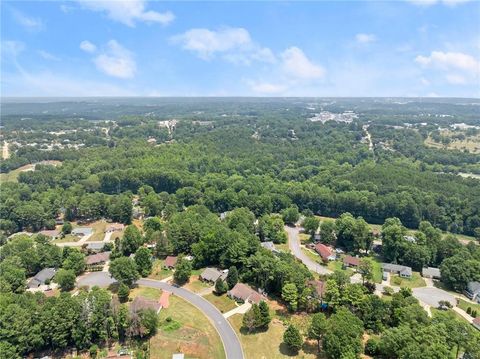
pixel 231 343
pixel 100 279
pixel 432 295
pixel 294 244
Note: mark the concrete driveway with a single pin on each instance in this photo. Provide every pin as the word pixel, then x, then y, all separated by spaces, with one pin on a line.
pixel 432 295
pixel 231 343
pixel 294 244
pixel 100 279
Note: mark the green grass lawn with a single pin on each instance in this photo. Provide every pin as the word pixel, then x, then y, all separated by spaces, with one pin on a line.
pixel 187 331
pixel 196 285
pixel 283 247
pixel 222 302
pixel 12 176
pixel 463 304
pixel 158 272
pixel 67 238
pixel 338 266
pixel 312 255
pixel 377 271
pixel 146 292
pixel 269 344
pixel 414 282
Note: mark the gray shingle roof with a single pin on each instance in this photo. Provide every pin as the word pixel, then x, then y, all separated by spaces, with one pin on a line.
pixel 41 277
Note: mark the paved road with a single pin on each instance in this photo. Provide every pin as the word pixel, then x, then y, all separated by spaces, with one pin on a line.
pixel 231 343
pixel 294 244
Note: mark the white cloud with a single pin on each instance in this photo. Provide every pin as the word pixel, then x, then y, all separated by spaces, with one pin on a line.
pixel 456 79
pixel 266 87
pixel 12 48
pixel 234 44
pixel 87 46
pixel 365 38
pixel 434 2
pixel 116 61
pixel 424 81
pixel 28 22
pixel 128 12
pixel 48 56
pixel 296 64
pixel 450 60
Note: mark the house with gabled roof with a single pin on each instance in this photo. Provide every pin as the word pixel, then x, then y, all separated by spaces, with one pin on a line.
pixel 42 277
pixel 242 292
pixel 325 252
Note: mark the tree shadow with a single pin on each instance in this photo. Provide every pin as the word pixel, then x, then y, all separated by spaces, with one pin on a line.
pixel 285 350
pixel 310 347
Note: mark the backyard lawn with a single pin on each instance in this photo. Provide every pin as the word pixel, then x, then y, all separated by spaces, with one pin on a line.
pixel 222 302
pixel 414 282
pixel 158 272
pixel 184 329
pixel 269 344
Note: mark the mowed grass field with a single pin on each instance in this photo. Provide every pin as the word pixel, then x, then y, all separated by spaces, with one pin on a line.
pixel 222 302
pixel 187 331
pixel 415 282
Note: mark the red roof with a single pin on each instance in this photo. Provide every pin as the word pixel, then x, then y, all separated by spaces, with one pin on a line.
pixel 170 261
pixel 351 261
pixel 323 250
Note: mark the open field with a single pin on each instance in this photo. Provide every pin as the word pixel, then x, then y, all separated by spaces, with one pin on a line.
pixel 222 302
pixel 13 175
pixel 414 282
pixel 158 272
pixel 471 143
pixel 187 331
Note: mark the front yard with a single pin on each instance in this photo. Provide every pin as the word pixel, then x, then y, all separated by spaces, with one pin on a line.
pixel 158 271
pixel 222 302
pixel 415 281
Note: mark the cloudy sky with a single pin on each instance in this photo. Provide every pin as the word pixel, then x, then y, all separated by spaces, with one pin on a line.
pixel 159 48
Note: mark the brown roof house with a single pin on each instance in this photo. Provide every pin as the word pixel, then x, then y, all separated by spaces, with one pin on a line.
pixel 170 262
pixel 349 261
pixel 243 292
pixel 114 227
pixel 97 261
pixel 52 233
pixel 141 303
pixel 325 252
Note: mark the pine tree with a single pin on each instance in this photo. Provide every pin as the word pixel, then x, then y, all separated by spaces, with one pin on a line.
pixel 317 328
pixel 220 286
pixel 292 338
pixel 249 320
pixel 232 277
pixel 265 314
pixel 123 292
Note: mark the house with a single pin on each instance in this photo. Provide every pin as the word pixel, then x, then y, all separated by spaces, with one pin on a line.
pixel 95 246
pixel 114 227
pixel 97 261
pixel 270 246
pixel 325 252
pixel 45 275
pixel 349 261
pixel 431 272
pixel 52 233
pixel 402 271
pixel 170 262
pixel 242 292
pixel 473 291
pixel 82 231
pixel 212 274
pixel 319 288
pixel 476 323
pixel 141 303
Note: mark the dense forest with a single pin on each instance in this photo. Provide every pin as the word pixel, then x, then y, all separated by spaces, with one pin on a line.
pixel 262 163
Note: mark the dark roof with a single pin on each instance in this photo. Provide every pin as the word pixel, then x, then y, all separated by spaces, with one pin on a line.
pixel 140 303
pixel 397 268
pixel 171 261
pixel 431 271
pixel 323 250
pixel 352 261
pixel 41 277
pixel 98 258
pixel 473 287
pixel 244 292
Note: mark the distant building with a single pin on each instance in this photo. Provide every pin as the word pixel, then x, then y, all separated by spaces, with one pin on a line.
pixel 473 291
pixel 170 262
pixel 349 261
pixel 82 231
pixel 402 271
pixel 178 356
pixel 212 274
pixel 410 239
pixel 244 293
pixel 325 252
pixel 52 233
pixel 41 277
pixel 431 272
pixel 114 227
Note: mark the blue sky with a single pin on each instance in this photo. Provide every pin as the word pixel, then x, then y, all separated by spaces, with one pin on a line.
pixel 158 48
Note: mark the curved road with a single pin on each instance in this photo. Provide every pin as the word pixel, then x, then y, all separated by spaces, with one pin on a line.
pixel 294 244
pixel 231 343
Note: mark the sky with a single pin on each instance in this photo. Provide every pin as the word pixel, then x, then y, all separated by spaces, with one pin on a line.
pixel 428 48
